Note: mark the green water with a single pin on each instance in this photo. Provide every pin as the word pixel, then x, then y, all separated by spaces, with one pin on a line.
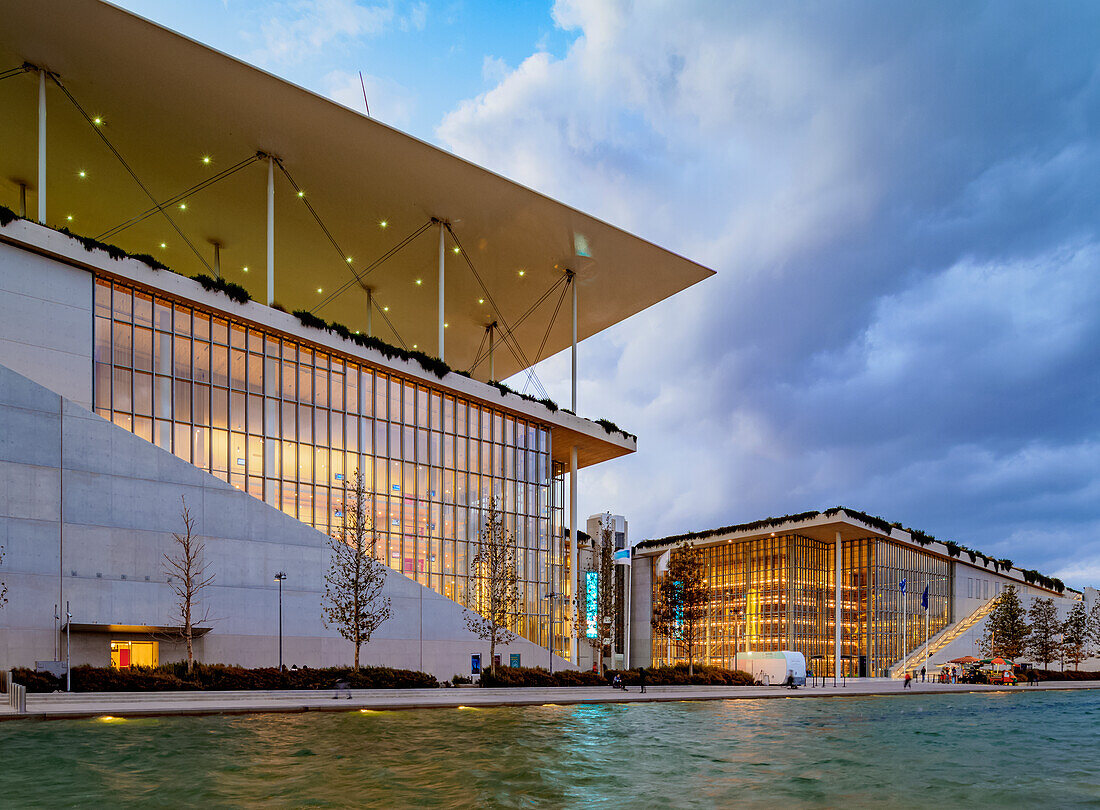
pixel 1006 750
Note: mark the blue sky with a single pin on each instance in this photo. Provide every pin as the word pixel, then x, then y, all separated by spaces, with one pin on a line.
pixel 900 200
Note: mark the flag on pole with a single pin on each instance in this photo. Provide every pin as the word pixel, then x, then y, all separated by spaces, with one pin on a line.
pixel 902 585
pixel 924 599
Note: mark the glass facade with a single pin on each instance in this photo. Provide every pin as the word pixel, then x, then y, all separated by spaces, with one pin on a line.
pixel 779 593
pixel 290 423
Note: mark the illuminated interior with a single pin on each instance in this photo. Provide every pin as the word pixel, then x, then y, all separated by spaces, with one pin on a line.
pixel 126 654
pixel 290 424
pixel 778 593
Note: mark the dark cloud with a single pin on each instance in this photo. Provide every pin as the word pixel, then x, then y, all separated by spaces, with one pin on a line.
pixel 902 205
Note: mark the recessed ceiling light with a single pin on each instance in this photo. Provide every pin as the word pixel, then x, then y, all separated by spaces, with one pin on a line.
pixel 163 245
pixel 521 272
pixel 414 346
pixel 245 269
pixel 457 249
pixel 301 193
pixel 383 224
pixel 183 206
pixel 446 325
pixel 97 121
pixel 82 173
pixel 206 159
pixel 481 300
pixel 349 259
pixel 319 289
pixel 385 309
pixel 418 282
pixel 69 218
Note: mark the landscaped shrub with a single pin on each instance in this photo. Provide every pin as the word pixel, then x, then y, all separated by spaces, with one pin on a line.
pixel 234 291
pixel 1068 675
pixel 219 677
pixel 662 676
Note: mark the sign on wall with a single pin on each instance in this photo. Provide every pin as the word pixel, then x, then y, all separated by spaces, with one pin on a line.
pixel 591 589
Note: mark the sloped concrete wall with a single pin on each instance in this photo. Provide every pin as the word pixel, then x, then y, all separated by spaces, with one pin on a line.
pixel 87 512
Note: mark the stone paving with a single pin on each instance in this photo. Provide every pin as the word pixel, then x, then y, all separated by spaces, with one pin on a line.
pixel 148 704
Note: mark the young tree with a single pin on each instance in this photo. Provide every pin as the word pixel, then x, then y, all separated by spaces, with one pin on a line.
pixel 1006 630
pixel 1075 635
pixel 353 601
pixel 1094 630
pixel 491 595
pixel 681 601
pixel 187 575
pixel 1044 641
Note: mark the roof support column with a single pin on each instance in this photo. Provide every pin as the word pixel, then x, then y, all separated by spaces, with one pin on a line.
pixel 270 230
pixel 370 309
pixel 492 361
pixel 573 283
pixel 836 607
pixel 573 541
pixel 442 228
pixel 42 146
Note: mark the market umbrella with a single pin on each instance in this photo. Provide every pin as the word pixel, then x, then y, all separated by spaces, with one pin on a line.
pixel 966 659
pixel 999 661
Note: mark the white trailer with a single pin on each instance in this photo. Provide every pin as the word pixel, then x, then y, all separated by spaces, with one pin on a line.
pixel 773 667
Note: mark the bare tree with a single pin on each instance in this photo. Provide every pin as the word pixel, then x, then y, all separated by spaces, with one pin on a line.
pixel 1044 643
pixel 681 601
pixel 492 588
pixel 353 601
pixel 1075 635
pixel 188 577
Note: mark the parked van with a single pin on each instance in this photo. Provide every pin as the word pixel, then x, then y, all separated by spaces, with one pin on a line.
pixel 772 667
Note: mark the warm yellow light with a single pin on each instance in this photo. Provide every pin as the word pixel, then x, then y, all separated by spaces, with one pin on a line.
pixel 97 120
pixel 183 206
pixel 418 282
pixel 457 249
pixel 82 173
pixel 319 289
pixel 415 346
pixel 206 159
pixel 385 309
pixel 163 245
pixel 383 224
pixel 301 193
pixel 481 300
pixel 244 269
pixel 107 718
pixel 521 272
pixel 446 325
pixel 69 217
pixel 349 259
pixel 357 331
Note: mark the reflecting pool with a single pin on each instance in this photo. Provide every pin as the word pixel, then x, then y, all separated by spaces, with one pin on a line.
pixel 993 749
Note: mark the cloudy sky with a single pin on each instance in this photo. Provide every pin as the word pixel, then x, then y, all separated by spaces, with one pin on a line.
pixel 901 201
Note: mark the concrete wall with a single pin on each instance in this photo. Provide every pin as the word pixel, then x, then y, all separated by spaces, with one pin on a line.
pixel 641 612
pixel 46 322
pixel 87 512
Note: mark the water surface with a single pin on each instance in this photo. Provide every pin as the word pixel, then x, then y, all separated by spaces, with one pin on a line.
pixel 983 750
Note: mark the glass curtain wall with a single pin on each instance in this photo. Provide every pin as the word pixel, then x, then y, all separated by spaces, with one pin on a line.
pixel 778 593
pixel 290 424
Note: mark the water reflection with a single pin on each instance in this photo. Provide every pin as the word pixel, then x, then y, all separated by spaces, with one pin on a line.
pixel 856 752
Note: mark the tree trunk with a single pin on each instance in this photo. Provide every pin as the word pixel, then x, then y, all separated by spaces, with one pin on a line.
pixel 190 649
pixel 357 645
pixel 493 654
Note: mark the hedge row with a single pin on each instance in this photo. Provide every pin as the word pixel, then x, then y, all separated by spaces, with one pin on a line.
pixel 169 677
pixel 1068 675
pixel 662 676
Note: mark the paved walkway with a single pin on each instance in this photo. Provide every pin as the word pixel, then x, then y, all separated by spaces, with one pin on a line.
pixel 148 704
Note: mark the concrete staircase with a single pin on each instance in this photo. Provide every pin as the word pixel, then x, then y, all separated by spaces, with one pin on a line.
pixel 939 641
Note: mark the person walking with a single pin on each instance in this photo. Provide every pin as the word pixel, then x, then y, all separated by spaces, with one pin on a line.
pixel 922 674
pixel 641 679
pixel 908 681
pixel 789 683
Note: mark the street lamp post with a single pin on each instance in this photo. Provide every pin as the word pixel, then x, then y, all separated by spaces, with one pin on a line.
pixel 279 577
pixel 550 630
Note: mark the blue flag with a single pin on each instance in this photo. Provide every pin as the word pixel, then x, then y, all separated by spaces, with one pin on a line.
pixel 924 599
pixel 902 586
